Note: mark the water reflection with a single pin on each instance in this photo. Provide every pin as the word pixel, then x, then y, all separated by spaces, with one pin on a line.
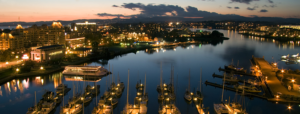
pixel 82 78
pixel 241 53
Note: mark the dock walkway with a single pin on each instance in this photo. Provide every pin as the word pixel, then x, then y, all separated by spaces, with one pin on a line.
pixel 272 82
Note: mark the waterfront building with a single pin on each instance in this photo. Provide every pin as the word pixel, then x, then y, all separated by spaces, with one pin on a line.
pixel 80 52
pixel 75 42
pixel 12 40
pixel 85 27
pixel 44 35
pixel 47 53
pixel 291 26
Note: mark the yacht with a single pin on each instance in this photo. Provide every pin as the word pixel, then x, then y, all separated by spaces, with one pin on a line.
pixel 85 70
pixel 220 109
pixel 47 107
pixel 102 108
pixel 71 109
pixel 251 89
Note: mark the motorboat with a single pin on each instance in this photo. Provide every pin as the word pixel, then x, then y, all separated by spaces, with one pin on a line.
pixel 85 70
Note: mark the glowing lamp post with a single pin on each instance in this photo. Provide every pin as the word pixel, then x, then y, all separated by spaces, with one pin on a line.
pixel 282 71
pixel 17 70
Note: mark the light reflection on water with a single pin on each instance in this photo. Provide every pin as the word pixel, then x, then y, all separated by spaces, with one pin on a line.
pixel 20 92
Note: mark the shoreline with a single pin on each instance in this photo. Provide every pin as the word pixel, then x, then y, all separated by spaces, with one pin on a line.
pixel 107 56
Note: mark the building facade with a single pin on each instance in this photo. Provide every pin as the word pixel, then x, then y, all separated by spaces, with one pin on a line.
pixel 46 53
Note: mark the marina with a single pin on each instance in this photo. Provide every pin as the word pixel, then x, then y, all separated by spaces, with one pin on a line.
pixel 19 92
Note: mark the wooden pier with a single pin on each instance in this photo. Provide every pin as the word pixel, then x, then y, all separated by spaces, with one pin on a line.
pixel 270 80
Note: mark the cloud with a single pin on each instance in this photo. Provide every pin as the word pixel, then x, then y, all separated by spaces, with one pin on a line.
pixel 243 1
pixel 162 13
pixel 263 10
pixel 115 6
pixel 253 8
pixel 270 1
pixel 229 7
pixel 236 7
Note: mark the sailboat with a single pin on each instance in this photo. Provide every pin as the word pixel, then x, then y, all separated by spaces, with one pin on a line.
pixel 235 68
pixel 237 107
pixel 34 109
pixel 188 95
pixel 198 95
pixel 160 87
pixel 102 108
pixel 145 95
pixel 221 108
pixel 172 95
pixel 120 87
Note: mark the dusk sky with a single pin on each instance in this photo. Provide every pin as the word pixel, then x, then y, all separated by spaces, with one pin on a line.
pixel 50 10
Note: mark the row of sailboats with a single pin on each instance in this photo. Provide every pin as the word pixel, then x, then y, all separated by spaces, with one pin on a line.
pixel 140 101
pixel 110 97
pixel 167 96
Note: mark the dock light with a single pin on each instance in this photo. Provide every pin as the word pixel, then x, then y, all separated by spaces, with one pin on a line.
pixel 256 66
pixel 17 69
pixel 6 63
pixel 289 107
pixel 293 80
pixel 282 71
pixel 192 93
pixel 195 99
pixel 42 68
pixel 81 98
pixel 277 96
pixel 275 64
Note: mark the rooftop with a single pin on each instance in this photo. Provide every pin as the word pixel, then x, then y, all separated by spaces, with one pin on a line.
pixel 45 47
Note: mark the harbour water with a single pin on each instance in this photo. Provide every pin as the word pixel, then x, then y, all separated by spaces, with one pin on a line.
pixel 17 96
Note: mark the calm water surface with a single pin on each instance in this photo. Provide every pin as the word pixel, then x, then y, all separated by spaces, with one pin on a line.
pixel 17 95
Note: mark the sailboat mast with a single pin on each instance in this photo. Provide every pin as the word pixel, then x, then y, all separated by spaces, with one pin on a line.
pixel 96 92
pixel 34 98
pixel 189 80
pixel 237 63
pixel 73 90
pixel 112 78
pixel 127 93
pixel 63 95
pixel 145 85
pixel 161 85
pixel 223 86
pixel 109 75
pixel 200 79
pixel 83 95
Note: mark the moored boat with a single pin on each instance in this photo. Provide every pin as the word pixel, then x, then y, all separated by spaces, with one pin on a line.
pixel 85 70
